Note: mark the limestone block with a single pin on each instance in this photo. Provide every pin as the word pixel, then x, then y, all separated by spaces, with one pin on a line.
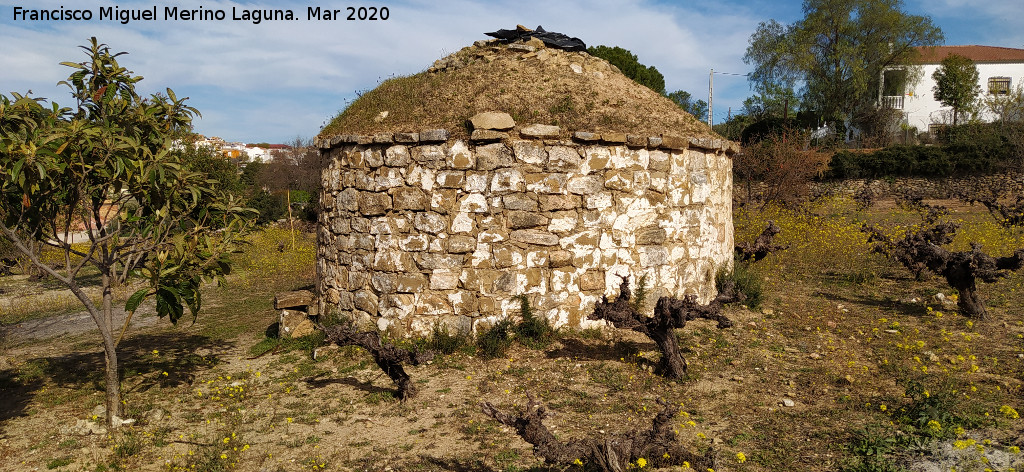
pixel 363 241
pixel 518 219
pixel 585 184
pixel 408 138
pixel 563 222
pixel 366 301
pixel 460 156
pixel 393 261
pixel 651 256
pixel 530 152
pixel 565 280
pixel 409 198
pixel 463 223
pixel 294 299
pixel 613 137
pixel 481 257
pixel 492 235
pixel 388 178
pixel 444 279
pixel 540 131
pixel 430 303
pixel 546 182
pixel 341 225
pixel 461 244
pixel 506 181
pixel 560 258
pixel 443 200
pixel 520 201
pixel 373 157
pixel 476 182
pixel 430 222
pixel 492 120
pixel 487 135
pixel 294 324
pixel 348 199
pixel 384 282
pixel 651 235
pixel 463 303
pixel 414 242
pixel 621 180
pixel 598 201
pixel 430 155
pixel 592 280
pixel 559 202
pixel 506 284
pixel 479 280
pixel 430 261
pixel 563 158
pixel 493 156
pixel 457 323
pixel 451 179
pixel 358 279
pixel 673 142
pixel 585 136
pixel 534 236
pixel 473 203
pixel 508 256
pixel 659 161
pixel 410 283
pixel 537 258
pixel 433 135
pixel 373 204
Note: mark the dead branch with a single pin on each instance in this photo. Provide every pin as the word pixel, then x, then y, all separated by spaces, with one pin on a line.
pixel 922 250
pixel 388 357
pixel 669 314
pixel 657 446
pixel 762 246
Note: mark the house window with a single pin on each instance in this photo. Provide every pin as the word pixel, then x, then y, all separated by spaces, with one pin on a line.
pixel 998 85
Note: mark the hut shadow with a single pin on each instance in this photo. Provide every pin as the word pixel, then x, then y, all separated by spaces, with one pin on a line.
pixel 474 465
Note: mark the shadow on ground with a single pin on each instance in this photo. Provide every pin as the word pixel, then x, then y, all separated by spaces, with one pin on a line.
pixel 146 361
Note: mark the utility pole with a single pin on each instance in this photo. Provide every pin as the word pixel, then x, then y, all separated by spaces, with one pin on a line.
pixel 711 92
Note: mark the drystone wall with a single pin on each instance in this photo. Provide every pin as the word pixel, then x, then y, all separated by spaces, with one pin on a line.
pixel 419 229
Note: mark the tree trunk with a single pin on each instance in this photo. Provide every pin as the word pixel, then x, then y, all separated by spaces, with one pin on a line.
pixel 673 365
pixel 112 379
pixel 970 303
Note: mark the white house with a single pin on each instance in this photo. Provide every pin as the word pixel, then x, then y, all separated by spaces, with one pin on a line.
pixel 999 71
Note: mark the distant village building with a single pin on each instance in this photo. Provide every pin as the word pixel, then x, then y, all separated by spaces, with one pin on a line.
pixel 1000 71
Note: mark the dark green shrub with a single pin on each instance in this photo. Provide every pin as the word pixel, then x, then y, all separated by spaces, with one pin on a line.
pixel 443 341
pixel 493 342
pixel 746 281
pixel 533 331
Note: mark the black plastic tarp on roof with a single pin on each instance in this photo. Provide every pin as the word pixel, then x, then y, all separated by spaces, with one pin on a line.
pixel 550 39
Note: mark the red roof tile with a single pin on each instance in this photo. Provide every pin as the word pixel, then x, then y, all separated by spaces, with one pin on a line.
pixel 935 54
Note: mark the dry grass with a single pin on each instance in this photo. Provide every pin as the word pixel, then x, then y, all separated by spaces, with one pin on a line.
pixel 536 87
pixel 867 368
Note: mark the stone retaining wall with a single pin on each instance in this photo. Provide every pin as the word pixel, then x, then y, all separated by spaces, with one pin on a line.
pixel 418 229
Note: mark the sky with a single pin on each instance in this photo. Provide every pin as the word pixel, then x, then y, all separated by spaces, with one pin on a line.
pixel 276 81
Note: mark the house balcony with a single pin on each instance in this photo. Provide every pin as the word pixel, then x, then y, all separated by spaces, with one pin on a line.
pixel 894 102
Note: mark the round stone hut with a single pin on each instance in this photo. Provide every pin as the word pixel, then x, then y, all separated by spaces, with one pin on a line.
pixel 513 169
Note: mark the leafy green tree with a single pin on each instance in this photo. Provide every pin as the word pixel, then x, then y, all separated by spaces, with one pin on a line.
pixel 772 101
pixel 697 108
pixel 630 66
pixel 956 84
pixel 105 165
pixel 837 52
